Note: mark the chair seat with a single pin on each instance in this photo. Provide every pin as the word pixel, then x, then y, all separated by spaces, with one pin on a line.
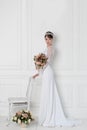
pixel 18 100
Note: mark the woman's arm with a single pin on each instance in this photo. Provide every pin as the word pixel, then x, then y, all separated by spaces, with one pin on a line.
pixel 50 53
pixel 35 75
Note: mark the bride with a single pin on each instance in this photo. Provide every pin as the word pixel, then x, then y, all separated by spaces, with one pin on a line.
pixel 51 113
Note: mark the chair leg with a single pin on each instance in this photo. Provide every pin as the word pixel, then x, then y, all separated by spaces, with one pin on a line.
pixel 9 111
pixel 9 115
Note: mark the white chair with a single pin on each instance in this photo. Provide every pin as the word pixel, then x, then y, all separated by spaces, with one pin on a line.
pixel 21 100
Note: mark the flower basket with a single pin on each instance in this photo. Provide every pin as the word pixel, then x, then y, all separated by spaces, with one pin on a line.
pixel 23 118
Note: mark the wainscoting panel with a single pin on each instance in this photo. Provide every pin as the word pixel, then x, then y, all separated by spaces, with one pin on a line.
pixel 22 27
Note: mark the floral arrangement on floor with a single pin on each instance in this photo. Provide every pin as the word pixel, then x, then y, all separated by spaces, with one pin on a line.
pixel 22 117
pixel 40 60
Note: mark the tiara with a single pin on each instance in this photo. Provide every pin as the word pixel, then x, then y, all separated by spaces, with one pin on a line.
pixel 50 33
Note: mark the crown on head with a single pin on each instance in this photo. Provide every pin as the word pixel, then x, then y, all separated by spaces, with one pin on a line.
pixel 49 33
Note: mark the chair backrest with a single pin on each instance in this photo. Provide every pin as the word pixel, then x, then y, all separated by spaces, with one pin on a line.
pixel 29 88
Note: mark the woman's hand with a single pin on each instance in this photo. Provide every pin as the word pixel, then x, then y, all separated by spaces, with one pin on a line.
pixel 38 63
pixel 34 76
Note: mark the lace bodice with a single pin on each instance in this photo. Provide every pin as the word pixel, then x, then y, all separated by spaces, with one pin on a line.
pixel 49 51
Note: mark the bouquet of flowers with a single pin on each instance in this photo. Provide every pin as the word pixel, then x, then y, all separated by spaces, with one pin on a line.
pixel 22 117
pixel 40 60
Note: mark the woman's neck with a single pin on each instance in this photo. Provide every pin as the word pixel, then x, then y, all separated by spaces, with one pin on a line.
pixel 49 45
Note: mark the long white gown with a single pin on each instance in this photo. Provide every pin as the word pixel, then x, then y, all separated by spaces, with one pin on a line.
pixel 51 112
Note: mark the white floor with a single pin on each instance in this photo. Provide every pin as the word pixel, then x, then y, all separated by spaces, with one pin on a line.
pixel 34 126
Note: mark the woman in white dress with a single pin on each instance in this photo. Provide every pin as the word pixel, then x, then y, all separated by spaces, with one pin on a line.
pixel 51 113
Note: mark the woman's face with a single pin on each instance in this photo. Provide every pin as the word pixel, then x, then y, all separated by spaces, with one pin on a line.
pixel 48 41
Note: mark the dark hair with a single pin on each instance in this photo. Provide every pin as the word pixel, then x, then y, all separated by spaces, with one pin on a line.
pixel 49 35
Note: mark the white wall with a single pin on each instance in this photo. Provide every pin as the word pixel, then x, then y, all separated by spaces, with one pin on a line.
pixel 22 27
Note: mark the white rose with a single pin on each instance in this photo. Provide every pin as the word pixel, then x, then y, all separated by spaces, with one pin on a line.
pixel 29 120
pixel 15 118
pixel 22 117
pixel 25 122
pixel 19 121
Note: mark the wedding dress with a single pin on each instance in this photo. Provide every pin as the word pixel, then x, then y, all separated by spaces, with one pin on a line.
pixel 50 111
